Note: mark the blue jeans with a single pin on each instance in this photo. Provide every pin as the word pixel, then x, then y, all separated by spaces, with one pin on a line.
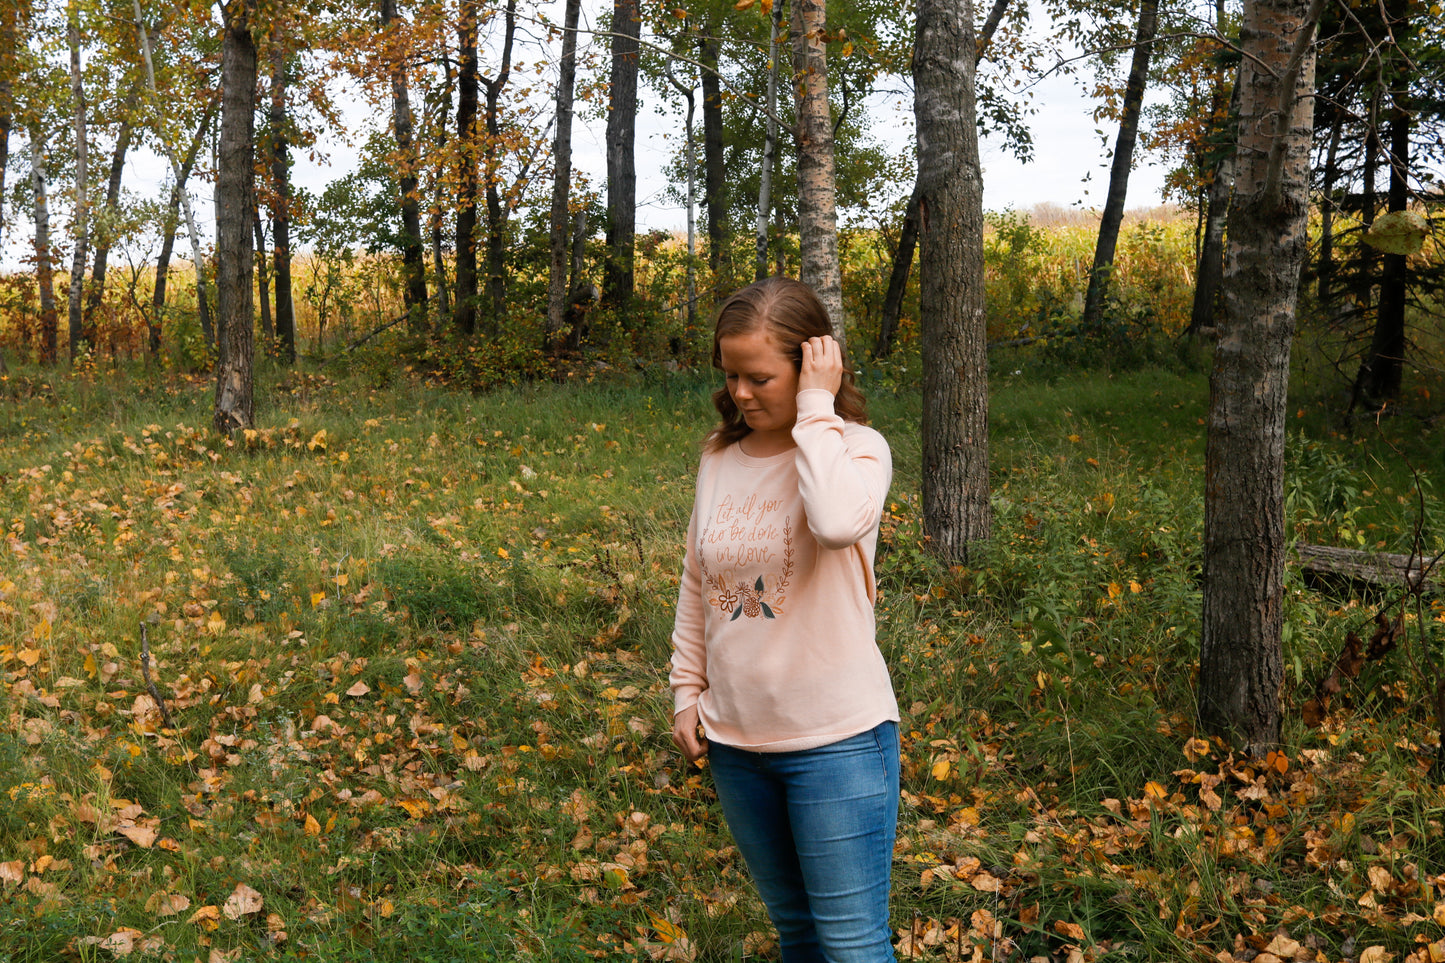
pixel 816 828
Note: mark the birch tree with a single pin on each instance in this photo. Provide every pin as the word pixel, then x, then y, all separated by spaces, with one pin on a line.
pixel 817 202
pixel 1240 658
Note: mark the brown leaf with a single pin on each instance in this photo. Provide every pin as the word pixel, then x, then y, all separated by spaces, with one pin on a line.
pixel 1070 931
pixel 243 901
pixel 164 903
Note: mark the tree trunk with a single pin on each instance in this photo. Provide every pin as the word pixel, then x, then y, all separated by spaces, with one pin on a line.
pixel 281 212
pixel 1123 162
pixel 44 272
pixel 770 150
pixel 263 287
pixel 80 223
pixel 103 237
pixel 908 233
pixel 714 161
pixel 956 508
pixel 898 279
pixel 182 173
pixel 618 275
pixel 496 211
pixel 1209 271
pixel 234 202
pixel 690 159
pixel 817 203
pixel 413 260
pixel 1381 372
pixel 465 312
pixel 9 55
pixel 437 216
pixel 1325 268
pixel 1240 659
pixel 562 182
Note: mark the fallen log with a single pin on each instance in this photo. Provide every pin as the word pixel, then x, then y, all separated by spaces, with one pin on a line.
pixel 1378 568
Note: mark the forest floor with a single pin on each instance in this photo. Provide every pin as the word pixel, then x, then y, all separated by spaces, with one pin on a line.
pixel 386 677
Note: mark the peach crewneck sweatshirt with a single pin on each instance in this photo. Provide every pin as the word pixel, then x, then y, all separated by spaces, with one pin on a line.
pixel 774 638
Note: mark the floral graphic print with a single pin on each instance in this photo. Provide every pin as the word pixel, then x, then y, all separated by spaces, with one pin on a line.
pixel 736 597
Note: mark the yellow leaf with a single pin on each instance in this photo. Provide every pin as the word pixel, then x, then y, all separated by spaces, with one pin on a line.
pixel 318 440
pixel 502 553
pixel 313 828
pixel 316 598
pixel 1075 439
pixel 667 931
pixel 940 770
pixel 415 808
pixel 32 656
pixel 1376 954
pixel 1115 590
pixel 744 4
pixel 385 908
pixel 41 632
pixel 207 917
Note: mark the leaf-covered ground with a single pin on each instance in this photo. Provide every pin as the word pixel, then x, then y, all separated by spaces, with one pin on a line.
pixel 386 677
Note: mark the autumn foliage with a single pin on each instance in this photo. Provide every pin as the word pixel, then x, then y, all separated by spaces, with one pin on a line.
pixel 384 677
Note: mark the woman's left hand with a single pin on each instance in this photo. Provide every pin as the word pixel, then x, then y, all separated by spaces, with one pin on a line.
pixel 822 365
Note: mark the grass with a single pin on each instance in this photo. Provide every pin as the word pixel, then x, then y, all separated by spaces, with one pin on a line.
pixel 414 644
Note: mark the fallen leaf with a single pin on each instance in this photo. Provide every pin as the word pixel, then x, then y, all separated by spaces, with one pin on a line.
pixel 243 901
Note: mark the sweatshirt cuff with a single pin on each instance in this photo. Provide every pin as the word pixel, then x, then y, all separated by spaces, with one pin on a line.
pixel 815 402
pixel 684 698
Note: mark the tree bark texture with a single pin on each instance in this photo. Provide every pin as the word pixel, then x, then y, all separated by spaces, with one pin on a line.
pixel 562 181
pixel 618 279
pixel 1209 271
pixel 1123 163
pixel 464 313
pixel 234 202
pixel 898 278
pixel 956 509
pixel 413 259
pixel 1240 661
pixel 496 211
pixel 281 211
pixel 80 222
pixel 817 202
pixel 44 272
pixel 96 295
pixel 714 161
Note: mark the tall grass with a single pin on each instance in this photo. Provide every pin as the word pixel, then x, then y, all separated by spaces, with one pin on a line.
pixel 413 644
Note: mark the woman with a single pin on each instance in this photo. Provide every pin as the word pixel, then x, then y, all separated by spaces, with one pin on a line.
pixel 776 675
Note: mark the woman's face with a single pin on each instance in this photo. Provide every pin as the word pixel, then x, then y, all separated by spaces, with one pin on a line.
pixel 761 380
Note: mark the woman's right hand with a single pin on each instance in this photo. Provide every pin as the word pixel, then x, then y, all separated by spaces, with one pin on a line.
pixel 687 734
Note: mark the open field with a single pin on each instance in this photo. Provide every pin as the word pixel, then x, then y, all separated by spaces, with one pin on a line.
pixel 406 699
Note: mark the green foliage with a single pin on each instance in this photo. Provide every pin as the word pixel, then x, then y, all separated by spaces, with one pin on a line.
pixel 413 642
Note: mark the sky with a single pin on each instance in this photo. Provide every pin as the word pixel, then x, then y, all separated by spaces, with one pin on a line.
pixel 1069 169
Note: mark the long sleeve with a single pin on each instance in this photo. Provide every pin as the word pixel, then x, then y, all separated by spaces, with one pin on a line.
pixel 844 477
pixel 688 677
pixel 774 635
